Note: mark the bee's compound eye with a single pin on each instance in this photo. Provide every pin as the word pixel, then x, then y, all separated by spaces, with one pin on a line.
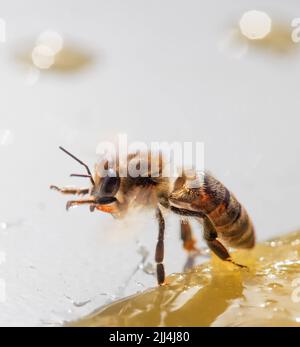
pixel 110 185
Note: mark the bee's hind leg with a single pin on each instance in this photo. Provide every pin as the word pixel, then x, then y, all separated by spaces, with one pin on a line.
pixel 187 237
pixel 159 252
pixel 72 191
pixel 210 236
pixel 188 242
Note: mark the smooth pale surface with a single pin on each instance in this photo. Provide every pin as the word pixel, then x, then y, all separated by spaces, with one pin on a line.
pixel 219 294
pixel 160 70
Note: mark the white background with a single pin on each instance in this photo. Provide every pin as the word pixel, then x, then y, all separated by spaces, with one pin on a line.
pixel 161 71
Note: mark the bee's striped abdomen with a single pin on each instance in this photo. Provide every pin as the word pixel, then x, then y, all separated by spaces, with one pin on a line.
pixel 229 217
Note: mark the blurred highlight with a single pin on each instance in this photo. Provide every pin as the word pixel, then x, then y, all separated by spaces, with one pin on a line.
pixel 51 53
pixel 258 31
pixel 255 25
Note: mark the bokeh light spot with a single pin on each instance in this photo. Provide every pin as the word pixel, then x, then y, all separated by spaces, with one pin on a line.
pixel 43 57
pixel 51 39
pixel 255 25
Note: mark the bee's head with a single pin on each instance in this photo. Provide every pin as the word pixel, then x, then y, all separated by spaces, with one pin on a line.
pixel 113 192
pixel 106 188
pixel 103 187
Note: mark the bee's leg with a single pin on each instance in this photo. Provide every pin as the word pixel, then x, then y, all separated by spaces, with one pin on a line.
pixel 186 235
pixel 189 242
pixel 210 236
pixel 159 252
pixel 78 202
pixel 72 191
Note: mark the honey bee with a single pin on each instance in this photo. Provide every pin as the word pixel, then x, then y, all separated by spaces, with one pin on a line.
pixel 225 221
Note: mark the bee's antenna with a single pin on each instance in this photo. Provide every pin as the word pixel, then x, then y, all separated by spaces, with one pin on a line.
pixel 80 162
pixel 80 175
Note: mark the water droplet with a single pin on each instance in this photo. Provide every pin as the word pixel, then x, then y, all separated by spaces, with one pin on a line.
pixel 148 268
pixel 140 286
pixel 81 303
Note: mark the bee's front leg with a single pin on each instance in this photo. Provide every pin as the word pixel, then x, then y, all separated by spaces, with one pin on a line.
pixel 79 202
pixel 159 252
pixel 72 191
pixel 210 236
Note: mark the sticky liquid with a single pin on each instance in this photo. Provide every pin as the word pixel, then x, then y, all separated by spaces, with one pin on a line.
pixel 219 294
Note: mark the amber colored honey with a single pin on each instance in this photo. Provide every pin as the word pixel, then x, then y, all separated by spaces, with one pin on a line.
pixel 219 294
